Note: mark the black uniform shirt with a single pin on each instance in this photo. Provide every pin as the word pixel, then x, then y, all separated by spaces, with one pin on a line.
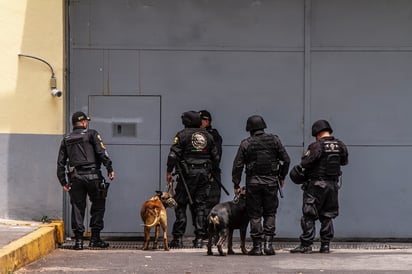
pixel 241 156
pixel 101 154
pixel 313 154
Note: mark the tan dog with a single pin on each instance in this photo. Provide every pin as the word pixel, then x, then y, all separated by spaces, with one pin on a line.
pixel 153 213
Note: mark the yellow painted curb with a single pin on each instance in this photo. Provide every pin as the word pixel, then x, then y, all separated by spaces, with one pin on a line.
pixel 31 247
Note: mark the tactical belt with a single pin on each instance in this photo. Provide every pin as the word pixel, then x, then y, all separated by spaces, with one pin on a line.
pixel 86 170
pixel 198 166
pixel 325 179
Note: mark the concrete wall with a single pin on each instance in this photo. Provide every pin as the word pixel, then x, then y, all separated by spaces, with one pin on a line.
pixel 31 120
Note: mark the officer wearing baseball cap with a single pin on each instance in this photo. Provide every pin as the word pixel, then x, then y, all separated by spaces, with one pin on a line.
pixel 79 116
pixel 81 153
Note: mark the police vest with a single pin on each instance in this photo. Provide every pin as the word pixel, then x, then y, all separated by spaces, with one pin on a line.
pixel 262 158
pixel 79 149
pixel 328 168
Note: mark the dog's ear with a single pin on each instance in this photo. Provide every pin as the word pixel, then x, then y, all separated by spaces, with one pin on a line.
pixel 159 193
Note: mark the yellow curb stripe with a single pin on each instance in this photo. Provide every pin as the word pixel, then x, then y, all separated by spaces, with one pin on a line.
pixel 27 249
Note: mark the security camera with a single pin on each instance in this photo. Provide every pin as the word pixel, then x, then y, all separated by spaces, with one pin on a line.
pixel 56 93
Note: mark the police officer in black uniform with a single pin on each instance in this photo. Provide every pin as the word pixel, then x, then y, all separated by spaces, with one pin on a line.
pixel 192 155
pixel 321 168
pixel 215 182
pixel 81 154
pixel 266 165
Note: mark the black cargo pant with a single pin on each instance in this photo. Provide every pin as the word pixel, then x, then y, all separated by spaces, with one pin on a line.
pixel 261 202
pixel 320 202
pixel 197 183
pixel 83 185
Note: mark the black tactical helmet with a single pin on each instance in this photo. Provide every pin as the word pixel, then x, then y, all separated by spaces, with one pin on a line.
pixel 255 122
pixel 191 119
pixel 319 126
pixel 296 175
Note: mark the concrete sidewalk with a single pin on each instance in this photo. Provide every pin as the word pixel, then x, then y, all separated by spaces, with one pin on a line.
pixel 23 242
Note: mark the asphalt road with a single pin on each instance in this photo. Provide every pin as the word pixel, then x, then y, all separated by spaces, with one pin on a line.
pixel 387 260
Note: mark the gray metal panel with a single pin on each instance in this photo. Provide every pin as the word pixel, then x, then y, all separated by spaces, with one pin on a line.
pixel 362 23
pixel 375 196
pixel 87 77
pixel 123 72
pixel 108 112
pixel 136 159
pixel 232 85
pixel 137 179
pixel 237 58
pixel 365 95
pixel 194 24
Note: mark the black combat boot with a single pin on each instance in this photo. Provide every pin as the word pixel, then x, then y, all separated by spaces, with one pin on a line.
pixel 268 248
pixel 177 242
pixel 302 249
pixel 257 248
pixel 324 247
pixel 95 241
pixel 78 242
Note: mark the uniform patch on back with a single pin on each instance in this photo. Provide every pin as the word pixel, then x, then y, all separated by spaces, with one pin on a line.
pixel 199 140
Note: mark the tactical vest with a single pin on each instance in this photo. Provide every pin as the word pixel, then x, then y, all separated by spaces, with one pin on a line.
pixel 262 158
pixel 328 167
pixel 79 149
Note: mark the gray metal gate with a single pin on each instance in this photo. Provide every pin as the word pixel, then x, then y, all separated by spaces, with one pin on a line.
pixel 292 61
pixel 130 127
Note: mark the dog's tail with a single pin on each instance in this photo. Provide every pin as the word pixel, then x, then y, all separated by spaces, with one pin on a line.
pixel 156 213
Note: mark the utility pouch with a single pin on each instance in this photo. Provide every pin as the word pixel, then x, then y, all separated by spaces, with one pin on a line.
pixel 309 206
pixel 102 188
pixel 184 167
pixel 333 165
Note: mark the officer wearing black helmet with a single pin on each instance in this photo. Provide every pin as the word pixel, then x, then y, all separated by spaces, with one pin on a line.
pixel 193 153
pixel 81 153
pixel 215 180
pixel 266 161
pixel 321 171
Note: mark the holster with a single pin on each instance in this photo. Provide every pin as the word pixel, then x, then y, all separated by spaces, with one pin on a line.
pixel 102 188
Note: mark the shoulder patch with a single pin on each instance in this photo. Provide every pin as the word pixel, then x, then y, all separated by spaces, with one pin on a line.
pixel 176 140
pixel 307 153
pixel 101 141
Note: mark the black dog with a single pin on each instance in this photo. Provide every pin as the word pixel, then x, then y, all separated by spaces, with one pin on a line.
pixel 223 219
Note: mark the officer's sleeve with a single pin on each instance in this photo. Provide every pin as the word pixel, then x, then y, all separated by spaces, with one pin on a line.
pixel 344 154
pixel 215 153
pixel 284 157
pixel 175 153
pixel 61 164
pixel 218 142
pixel 311 155
pixel 238 164
pixel 100 150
